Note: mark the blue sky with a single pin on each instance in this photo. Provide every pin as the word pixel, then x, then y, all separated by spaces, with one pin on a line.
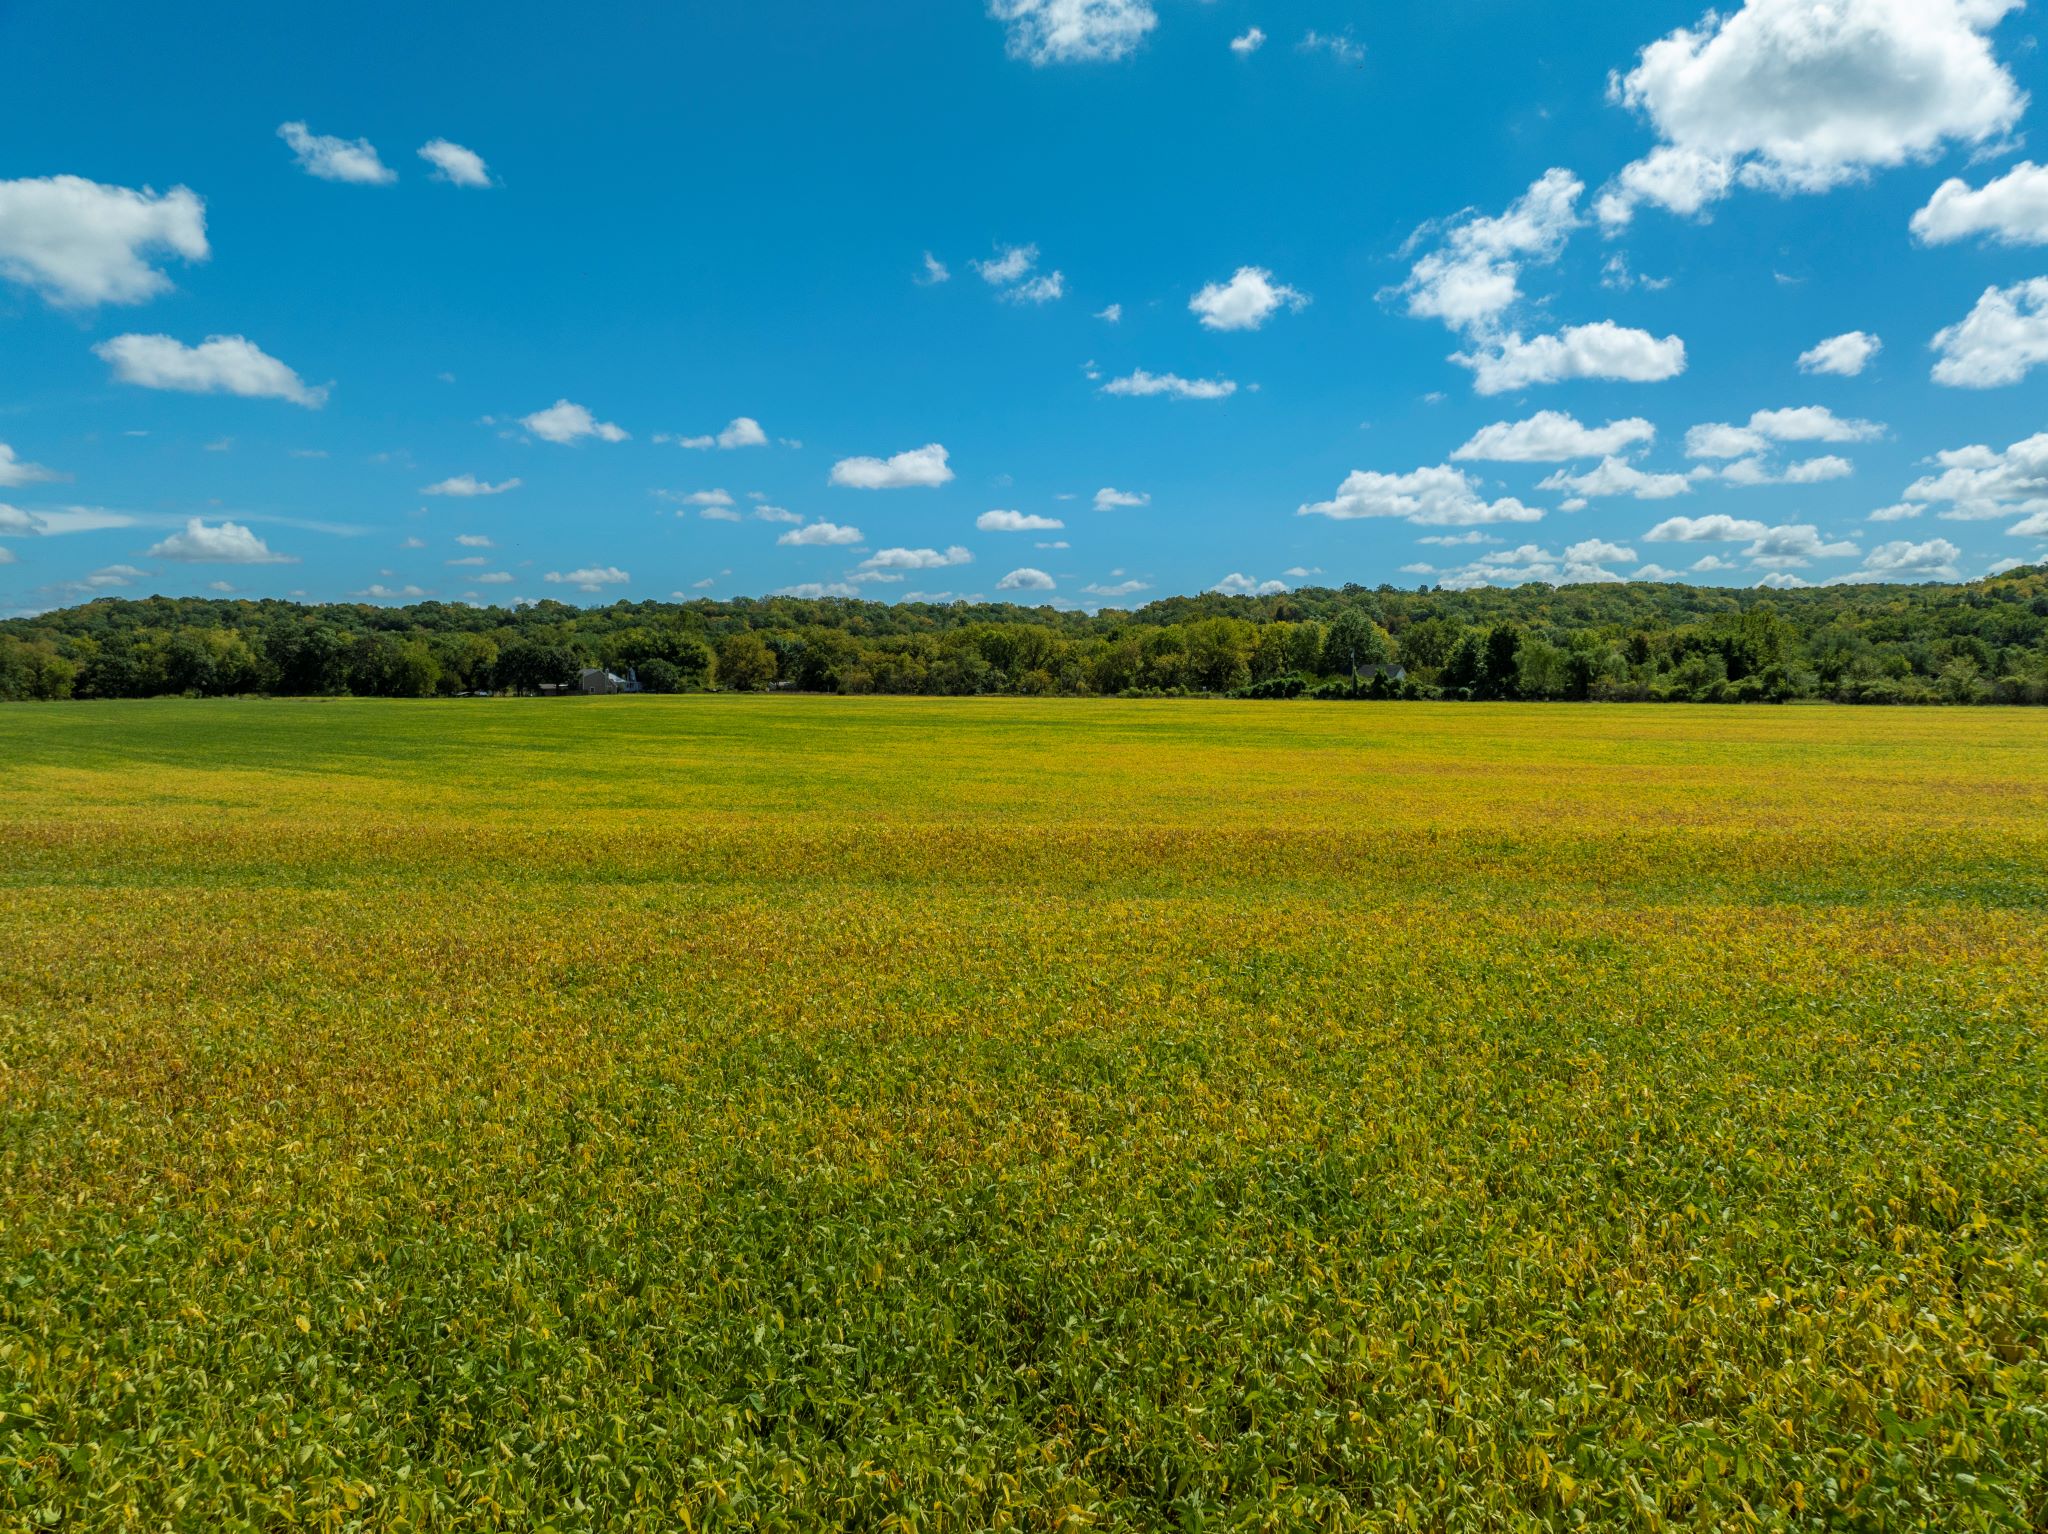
pixel 1207 271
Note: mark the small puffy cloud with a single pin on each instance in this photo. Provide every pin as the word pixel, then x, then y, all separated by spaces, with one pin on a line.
pixel 917 559
pixel 1432 497
pixel 935 272
pixel 1009 267
pixel 1302 572
pixel 1550 436
pixel 1794 547
pixel 1514 567
pixel 818 534
pixel 1243 45
pixel 1598 551
pixel 1784 580
pixel 2012 210
pixel 116 576
pixel 468 561
pixel 1236 585
pixel 1600 350
pixel 218 365
pixel 1016 522
pixel 1980 484
pixel 1039 290
pixel 590 578
pixel 13 471
pixel 1843 356
pixel 1617 476
pixel 2035 526
pixel 454 164
pixel 1803 423
pixel 1904 511
pixel 1717 528
pixel 1113 314
pixel 1109 498
pixel 466 485
pixel 741 431
pixel 565 422
pixel 495 578
pixel 336 159
pixel 1799 96
pixel 1045 32
pixel 1472 276
pixel 767 513
pixel 1709 564
pixel 1934 560
pixel 474 541
pixel 2000 566
pixel 379 592
pixel 2001 339
pixel 1025 579
pixel 224 543
pixel 1246 302
pixel 78 243
pixel 815 591
pixel 1120 589
pixel 1140 384
pixel 1654 573
pixel 921 467
pixel 1748 472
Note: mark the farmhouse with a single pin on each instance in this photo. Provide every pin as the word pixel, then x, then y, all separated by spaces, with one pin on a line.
pixel 595 679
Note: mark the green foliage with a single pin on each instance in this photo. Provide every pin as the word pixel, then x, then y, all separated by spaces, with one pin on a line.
pixel 1985 642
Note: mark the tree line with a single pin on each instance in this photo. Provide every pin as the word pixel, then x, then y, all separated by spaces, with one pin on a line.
pixel 1981 642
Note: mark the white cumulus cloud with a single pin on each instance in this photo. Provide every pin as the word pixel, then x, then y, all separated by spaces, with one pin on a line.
pixel 1844 356
pixel 590 578
pixel 218 365
pixel 1139 384
pixel 1429 497
pixel 1979 484
pixel 454 164
pixel 1245 302
pixel 1247 42
pixel 78 243
pixel 2002 339
pixel 223 543
pixel 1550 436
pixel 565 422
pixel 469 485
pixel 1717 528
pixel 921 467
pixel 1599 350
pixel 1617 476
pixel 1016 522
pixel 336 159
pixel 917 559
pixel 1472 277
pixel 1025 579
pixel 1109 498
pixel 819 534
pixel 2012 210
pixel 1803 95
pixel 1236 585
pixel 1073 31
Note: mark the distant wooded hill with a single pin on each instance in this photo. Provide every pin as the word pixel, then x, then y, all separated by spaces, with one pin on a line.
pixel 1981 642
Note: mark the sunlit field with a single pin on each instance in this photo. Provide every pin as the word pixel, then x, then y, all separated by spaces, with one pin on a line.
pixel 771 1113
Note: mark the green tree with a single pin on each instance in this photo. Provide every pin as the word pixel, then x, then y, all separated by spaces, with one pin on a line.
pixel 745 663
